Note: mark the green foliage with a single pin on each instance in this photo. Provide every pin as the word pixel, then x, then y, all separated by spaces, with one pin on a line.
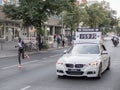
pixel 74 16
pixel 97 15
pixel 45 45
pixel 35 12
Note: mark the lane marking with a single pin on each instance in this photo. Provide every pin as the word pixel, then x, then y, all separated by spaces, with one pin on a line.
pixel 55 55
pixel 46 61
pixel 12 66
pixel 9 67
pixel 44 58
pixel 17 65
pixel 27 87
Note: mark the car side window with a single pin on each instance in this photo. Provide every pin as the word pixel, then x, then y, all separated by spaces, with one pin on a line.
pixel 103 48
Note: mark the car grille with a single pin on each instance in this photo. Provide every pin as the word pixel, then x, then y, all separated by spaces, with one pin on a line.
pixel 69 65
pixel 79 65
pixel 74 72
pixel 76 65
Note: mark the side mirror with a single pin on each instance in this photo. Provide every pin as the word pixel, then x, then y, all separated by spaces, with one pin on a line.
pixel 104 52
pixel 65 52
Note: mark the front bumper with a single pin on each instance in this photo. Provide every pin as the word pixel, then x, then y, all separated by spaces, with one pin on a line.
pixel 79 72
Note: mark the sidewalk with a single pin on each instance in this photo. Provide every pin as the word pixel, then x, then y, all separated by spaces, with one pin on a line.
pixel 9 49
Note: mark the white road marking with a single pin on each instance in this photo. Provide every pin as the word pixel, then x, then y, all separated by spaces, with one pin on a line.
pixel 31 62
pixel 17 65
pixel 27 87
pixel 55 55
pixel 9 67
pixel 44 58
pixel 46 61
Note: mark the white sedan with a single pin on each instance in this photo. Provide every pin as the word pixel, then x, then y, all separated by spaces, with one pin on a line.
pixel 83 60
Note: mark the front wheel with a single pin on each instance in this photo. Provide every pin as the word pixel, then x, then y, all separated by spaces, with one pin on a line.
pixel 100 71
pixel 108 67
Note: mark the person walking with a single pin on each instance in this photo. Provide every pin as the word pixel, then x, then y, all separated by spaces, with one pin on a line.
pixel 58 41
pixel 63 42
pixel 20 51
pixel 40 42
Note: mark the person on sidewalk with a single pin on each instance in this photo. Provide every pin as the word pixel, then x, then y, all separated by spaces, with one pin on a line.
pixel 58 41
pixel 20 51
pixel 40 42
pixel 63 42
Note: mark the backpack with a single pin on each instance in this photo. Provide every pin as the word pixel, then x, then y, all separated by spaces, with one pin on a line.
pixel 21 45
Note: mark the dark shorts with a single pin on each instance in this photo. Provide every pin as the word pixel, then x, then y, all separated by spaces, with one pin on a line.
pixel 21 50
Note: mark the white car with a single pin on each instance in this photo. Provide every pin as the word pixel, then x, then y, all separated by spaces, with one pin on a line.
pixel 86 59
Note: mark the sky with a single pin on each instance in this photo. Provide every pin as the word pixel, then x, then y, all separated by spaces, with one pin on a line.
pixel 115 5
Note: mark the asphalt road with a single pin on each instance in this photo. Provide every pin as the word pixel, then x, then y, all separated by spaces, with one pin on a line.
pixel 39 73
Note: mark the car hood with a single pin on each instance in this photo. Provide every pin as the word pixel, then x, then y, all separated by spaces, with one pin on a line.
pixel 80 59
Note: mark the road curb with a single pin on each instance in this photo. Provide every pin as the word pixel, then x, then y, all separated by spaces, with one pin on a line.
pixel 34 52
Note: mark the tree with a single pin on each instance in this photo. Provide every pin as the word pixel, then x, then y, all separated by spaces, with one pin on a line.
pixel 97 15
pixel 73 16
pixel 35 12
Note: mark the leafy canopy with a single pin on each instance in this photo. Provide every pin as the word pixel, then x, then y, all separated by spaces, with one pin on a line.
pixel 35 12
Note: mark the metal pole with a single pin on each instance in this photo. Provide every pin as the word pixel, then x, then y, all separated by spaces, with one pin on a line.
pixel 62 23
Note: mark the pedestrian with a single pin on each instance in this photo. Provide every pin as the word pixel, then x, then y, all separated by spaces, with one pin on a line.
pixel 40 42
pixel 63 42
pixel 58 41
pixel 20 51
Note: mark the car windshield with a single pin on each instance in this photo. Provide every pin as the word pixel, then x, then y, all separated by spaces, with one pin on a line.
pixel 84 49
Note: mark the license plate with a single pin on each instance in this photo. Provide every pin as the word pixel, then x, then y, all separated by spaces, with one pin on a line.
pixel 74 70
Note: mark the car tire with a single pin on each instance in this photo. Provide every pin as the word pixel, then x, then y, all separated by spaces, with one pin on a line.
pixel 60 76
pixel 108 67
pixel 100 71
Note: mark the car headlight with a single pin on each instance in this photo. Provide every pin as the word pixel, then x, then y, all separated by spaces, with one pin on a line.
pixel 95 63
pixel 59 63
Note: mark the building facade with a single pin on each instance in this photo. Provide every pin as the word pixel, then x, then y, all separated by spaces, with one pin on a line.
pixel 11 29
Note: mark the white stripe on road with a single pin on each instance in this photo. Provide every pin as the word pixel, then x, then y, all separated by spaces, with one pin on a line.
pixel 9 67
pixel 55 55
pixel 44 58
pixel 31 62
pixel 17 65
pixel 27 87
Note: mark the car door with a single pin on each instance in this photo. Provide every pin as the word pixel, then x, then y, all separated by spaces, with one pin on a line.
pixel 104 57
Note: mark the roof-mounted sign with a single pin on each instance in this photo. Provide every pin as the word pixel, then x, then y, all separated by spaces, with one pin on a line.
pixel 88 36
pixel 87 30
